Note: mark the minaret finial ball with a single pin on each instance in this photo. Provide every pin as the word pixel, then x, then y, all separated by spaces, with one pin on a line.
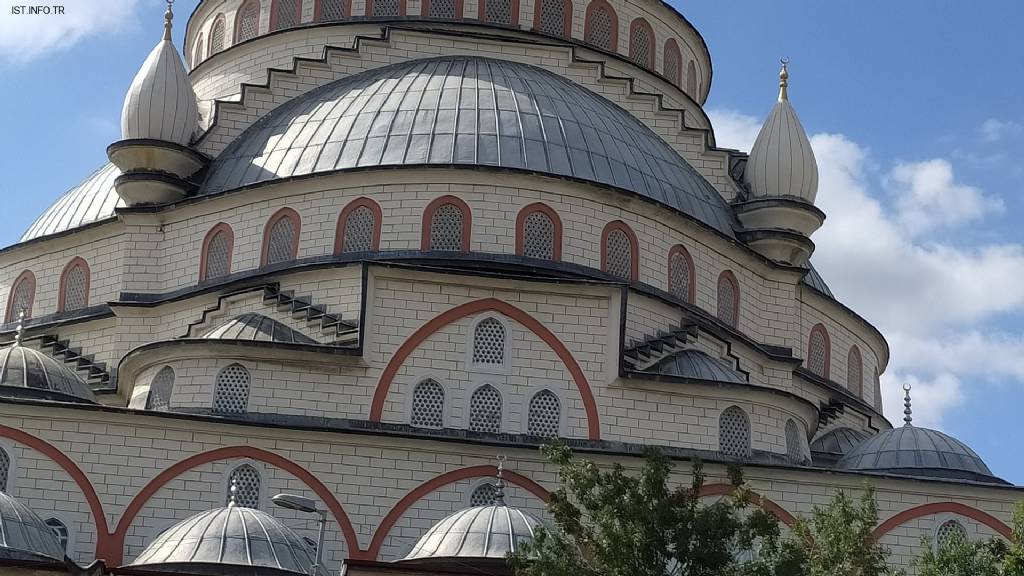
pixel 907 412
pixel 784 80
pixel 168 16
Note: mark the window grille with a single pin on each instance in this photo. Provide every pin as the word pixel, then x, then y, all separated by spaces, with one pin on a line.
pixel 332 10
pixel 75 294
pixel 601 28
pixel 197 54
pixel 794 443
pixel 640 46
pixel 727 300
pixel 217 256
pixel 442 9
pixel 691 79
pixel 539 236
pixel 386 8
pixel 679 275
pixel 22 296
pixel 249 21
pixel 5 469
pixel 231 393
pixel 489 343
pixel 287 14
pixel 734 432
pixel 282 241
pixel 160 390
pixel 498 11
pixel 358 231
pixel 948 532
pixel 817 354
pixel 485 410
pixel 855 372
pixel 446 228
pixel 672 63
pixel 619 255
pixel 60 531
pixel 246 481
pixel 483 495
pixel 217 35
pixel 427 405
pixel 544 415
pixel 552 17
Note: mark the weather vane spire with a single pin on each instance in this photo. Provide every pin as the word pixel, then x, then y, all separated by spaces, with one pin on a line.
pixel 908 413
pixel 168 16
pixel 233 491
pixel 19 330
pixel 784 80
pixel 499 487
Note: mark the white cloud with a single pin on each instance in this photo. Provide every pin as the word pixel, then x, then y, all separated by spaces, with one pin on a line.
pixel 993 130
pixel 26 37
pixel 934 398
pixel 734 129
pixel 928 197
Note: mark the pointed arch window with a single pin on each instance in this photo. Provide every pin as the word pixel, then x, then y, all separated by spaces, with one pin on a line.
pixel 74 286
pixel 819 352
pixel 285 14
pixel 60 531
pixel 680 273
pixel 160 390
pixel 358 227
pixel 691 79
pixel 948 532
pixel 485 410
pixel 539 232
pixel 601 27
pixel 331 10
pixel 672 62
pixel 197 52
pixel 218 33
pixel 246 481
pixel 447 222
pixel 728 299
pixel 795 450
pixel 734 432
pixel 489 343
pixel 427 405
pixel 215 257
pixel 619 253
pixel 641 43
pixel 544 418
pixel 385 8
pixel 855 372
pixel 445 9
pixel 500 11
pixel 23 294
pixel 247 21
pixel 483 495
pixel 231 390
pixel 5 469
pixel 553 17
pixel 281 237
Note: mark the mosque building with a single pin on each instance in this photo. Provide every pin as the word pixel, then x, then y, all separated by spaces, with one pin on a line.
pixel 347 252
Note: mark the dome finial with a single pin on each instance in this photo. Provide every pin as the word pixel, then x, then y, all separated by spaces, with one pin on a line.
pixel 784 80
pixel 233 491
pixel 499 488
pixel 168 16
pixel 908 413
pixel 19 330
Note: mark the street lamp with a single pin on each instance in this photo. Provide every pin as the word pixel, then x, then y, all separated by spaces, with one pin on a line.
pixel 307 505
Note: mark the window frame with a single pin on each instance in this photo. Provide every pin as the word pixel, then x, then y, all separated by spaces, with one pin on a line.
pixel 12 315
pixel 62 290
pixel 271 222
pixel 819 328
pixel 652 58
pixel 728 276
pixel 567 8
pixel 562 418
pixel 274 16
pixel 411 397
pixel 855 352
pixel 592 7
pixel 318 11
pixel 216 381
pixel 691 285
pixel 236 33
pixel 513 8
pixel 556 221
pixel 634 250
pixel 672 45
pixel 205 249
pixel 750 439
pixel 149 394
pixel 502 416
pixel 690 81
pixel 339 229
pixel 198 49
pixel 425 10
pixel 261 472
pixel 428 216
pixel 222 20
pixel 403 9
pixel 502 368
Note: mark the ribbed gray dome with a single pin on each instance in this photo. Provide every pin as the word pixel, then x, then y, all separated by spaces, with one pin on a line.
pixel 466 111
pixel 204 543
pixel 479 532
pixel 839 441
pixel 915 451
pixel 28 373
pixel 92 200
pixel 697 365
pixel 24 536
pixel 253 326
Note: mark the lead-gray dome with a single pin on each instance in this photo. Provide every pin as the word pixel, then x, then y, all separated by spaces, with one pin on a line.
pixel 28 373
pixel 253 326
pixel 466 111
pixel 205 543
pixel 480 532
pixel 915 451
pixel 24 536
pixel 92 200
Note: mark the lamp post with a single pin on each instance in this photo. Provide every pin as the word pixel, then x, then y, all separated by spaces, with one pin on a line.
pixel 307 505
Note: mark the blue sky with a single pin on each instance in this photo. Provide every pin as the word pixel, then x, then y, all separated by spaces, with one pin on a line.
pixel 914 108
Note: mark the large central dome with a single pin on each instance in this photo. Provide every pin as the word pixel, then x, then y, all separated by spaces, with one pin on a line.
pixel 467 110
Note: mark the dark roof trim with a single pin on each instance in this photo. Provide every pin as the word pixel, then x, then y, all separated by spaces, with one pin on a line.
pixel 325 349
pixel 871 327
pixel 58 319
pixel 61 234
pixel 844 394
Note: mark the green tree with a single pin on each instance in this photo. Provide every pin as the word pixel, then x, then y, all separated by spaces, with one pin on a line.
pixel 990 557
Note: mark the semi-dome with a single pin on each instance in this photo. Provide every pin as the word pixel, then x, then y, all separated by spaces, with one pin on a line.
pixel 253 326
pixel 697 365
pixel 91 200
pixel 480 532
pixel 827 449
pixel 207 543
pixel 28 373
pixel 24 536
pixel 460 110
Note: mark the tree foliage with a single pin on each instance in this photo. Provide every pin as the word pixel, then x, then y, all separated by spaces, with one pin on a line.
pixel 960 557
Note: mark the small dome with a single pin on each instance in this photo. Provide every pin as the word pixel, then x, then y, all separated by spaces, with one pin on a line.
pixel 781 163
pixel 839 441
pixel 24 536
pixel 915 451
pixel 697 365
pixel 160 104
pixel 28 373
pixel 253 326
pixel 92 200
pixel 205 543
pixel 480 532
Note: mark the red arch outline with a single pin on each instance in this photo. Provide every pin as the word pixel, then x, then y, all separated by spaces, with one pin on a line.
pixel 238 20
pixel 62 290
pixel 671 46
pixel 12 315
pixel 758 500
pixel 296 232
pixel 819 328
pixel 486 305
pixel 905 516
pixel 428 214
pixel 556 248
pixel 205 250
pixel 634 248
pixel 614 37
pixel 115 546
pixel 691 285
pixel 651 45
pixel 400 507
pixel 378 219
pixel 567 9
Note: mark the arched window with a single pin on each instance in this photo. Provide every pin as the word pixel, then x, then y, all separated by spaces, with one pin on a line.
pixel 553 17
pixel 539 232
pixel 641 43
pixel 60 531
pixel 23 294
pixel 819 352
pixel 215 257
pixel 331 10
pixel 285 14
pixel 197 52
pixel 734 432
pixel 619 256
pixel 672 62
pixel 427 405
pixel 691 79
pixel 160 389
pixel 281 237
pixel 231 391
pixel 948 532
pixel 218 32
pixel 74 286
pixel 247 21
pixel 358 227
pixel 483 495
pixel 855 372
pixel 601 27
pixel 442 8
pixel 385 8
pixel 447 222
pixel 489 341
pixel 500 11
pixel 545 415
pixel 246 481
pixel 728 299
pixel 878 391
pixel 5 469
pixel 680 273
pixel 485 410
pixel 795 443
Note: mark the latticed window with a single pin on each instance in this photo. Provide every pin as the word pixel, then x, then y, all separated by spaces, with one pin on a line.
pixel 498 11
pixel 544 416
pixel 552 17
pixel 286 14
pixel 281 242
pixel 359 231
pixel 218 256
pixel 159 398
pixel 618 254
pixel 489 343
pixel 248 20
pixel 679 274
pixel 948 532
pixel 817 352
pixel 22 295
pixel 734 432
pixel 386 8
pixel 641 45
pixel 485 410
pixel 76 287
pixel 691 79
pixel 446 228
pixel 217 33
pixel 197 53
pixel 427 405
pixel 672 62
pixel 727 300
pixel 442 9
pixel 246 481
pixel 5 469
pixel 539 236
pixel 483 495
pixel 600 27
pixel 331 10
pixel 794 443
pixel 231 392
pixel 60 531
pixel 855 372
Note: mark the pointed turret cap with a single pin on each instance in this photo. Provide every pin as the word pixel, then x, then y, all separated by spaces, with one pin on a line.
pixel 160 105
pixel 781 163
